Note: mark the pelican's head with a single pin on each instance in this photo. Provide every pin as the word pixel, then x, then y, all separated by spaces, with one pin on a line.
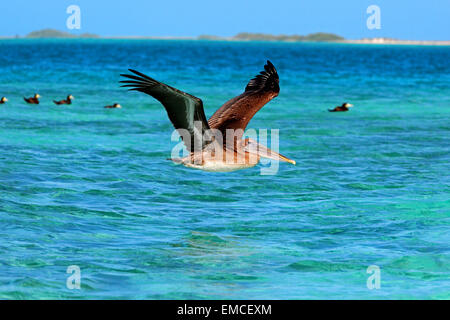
pixel 347 105
pixel 70 97
pixel 4 99
pixel 116 105
pixel 37 96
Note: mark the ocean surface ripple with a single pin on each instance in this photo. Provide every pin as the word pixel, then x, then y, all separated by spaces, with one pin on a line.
pixel 83 185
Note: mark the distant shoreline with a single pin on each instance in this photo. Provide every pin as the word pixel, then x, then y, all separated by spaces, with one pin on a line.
pixel 318 37
pixel 376 41
pixel 357 41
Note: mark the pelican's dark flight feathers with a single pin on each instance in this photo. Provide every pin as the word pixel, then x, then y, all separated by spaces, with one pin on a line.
pixel 237 112
pixel 182 108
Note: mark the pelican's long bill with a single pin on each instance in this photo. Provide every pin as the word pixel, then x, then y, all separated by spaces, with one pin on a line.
pixel 253 147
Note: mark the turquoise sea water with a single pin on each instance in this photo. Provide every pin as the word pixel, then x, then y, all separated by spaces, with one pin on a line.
pixel 82 185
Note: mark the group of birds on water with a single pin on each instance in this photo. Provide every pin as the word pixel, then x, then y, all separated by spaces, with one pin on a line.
pixel 35 100
pixel 217 151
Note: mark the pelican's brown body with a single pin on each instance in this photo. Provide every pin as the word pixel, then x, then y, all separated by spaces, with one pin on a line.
pixel 33 100
pixel 210 146
pixel 67 101
pixel 215 157
pixel 3 100
pixel 226 159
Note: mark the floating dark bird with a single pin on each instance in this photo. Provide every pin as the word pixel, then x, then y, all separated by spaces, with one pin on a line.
pixel 221 151
pixel 33 100
pixel 3 100
pixel 67 101
pixel 114 106
pixel 342 108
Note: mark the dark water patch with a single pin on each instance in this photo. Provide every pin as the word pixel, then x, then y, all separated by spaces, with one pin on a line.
pixel 323 266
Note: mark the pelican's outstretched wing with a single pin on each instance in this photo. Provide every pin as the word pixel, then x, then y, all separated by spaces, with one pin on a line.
pixel 182 108
pixel 237 112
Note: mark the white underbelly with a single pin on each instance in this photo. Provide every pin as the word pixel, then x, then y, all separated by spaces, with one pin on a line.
pixel 219 166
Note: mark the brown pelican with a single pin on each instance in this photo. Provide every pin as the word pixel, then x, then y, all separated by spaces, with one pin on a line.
pixel 342 108
pixel 215 144
pixel 67 101
pixel 33 100
pixel 114 106
pixel 3 100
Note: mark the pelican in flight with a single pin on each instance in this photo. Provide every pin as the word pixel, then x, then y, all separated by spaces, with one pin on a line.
pixel 216 144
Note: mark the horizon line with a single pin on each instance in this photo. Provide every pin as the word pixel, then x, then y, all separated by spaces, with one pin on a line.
pixel 204 36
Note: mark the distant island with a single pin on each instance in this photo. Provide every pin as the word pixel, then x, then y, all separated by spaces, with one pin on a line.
pixel 246 36
pixel 243 36
pixel 319 37
pixel 52 33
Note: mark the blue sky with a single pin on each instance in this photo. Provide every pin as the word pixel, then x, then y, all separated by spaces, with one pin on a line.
pixel 413 19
